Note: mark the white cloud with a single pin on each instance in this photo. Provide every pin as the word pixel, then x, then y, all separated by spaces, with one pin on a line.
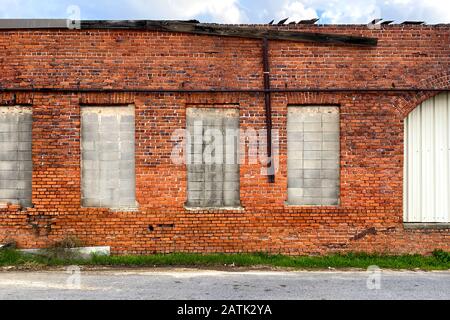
pixel 430 11
pixel 224 11
pixel 236 11
pixel 296 11
pixel 358 11
pixel 351 11
pixel 28 9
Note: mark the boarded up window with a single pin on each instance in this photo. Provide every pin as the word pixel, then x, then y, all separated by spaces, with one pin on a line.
pixel 313 155
pixel 213 164
pixel 15 155
pixel 108 157
pixel 427 161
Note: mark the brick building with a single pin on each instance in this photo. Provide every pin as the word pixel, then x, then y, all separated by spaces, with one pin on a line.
pixel 92 120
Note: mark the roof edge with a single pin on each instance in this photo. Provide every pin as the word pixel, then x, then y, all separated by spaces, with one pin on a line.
pixel 135 24
pixel 193 27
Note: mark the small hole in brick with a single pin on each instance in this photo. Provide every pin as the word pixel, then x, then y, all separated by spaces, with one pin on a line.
pixel 151 228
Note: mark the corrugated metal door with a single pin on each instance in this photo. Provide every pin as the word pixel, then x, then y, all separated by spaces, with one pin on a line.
pixel 427 161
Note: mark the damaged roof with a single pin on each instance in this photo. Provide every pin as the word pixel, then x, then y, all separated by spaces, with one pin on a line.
pixel 190 26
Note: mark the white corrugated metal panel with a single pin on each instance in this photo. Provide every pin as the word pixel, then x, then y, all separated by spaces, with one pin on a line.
pixel 427 161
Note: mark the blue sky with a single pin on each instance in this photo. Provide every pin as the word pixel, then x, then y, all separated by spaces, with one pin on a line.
pixel 234 11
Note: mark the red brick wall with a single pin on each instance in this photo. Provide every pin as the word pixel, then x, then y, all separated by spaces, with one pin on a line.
pixel 370 215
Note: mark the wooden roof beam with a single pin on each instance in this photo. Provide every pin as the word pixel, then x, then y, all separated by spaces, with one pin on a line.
pixel 232 31
pixel 193 27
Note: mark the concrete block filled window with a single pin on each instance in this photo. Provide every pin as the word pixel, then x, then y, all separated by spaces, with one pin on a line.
pixel 313 155
pixel 213 163
pixel 427 162
pixel 15 155
pixel 108 157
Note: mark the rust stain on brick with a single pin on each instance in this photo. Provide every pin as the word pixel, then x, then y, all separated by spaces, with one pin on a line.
pixel 363 234
pixel 41 224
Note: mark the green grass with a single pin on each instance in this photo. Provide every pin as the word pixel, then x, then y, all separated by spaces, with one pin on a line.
pixel 440 260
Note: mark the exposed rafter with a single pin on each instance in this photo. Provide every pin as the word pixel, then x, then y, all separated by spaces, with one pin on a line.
pixel 310 21
pixel 413 22
pixel 375 21
pixel 282 21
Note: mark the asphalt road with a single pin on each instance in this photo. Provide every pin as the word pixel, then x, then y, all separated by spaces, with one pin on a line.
pixel 185 284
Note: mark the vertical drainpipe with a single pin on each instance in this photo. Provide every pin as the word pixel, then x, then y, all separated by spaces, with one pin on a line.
pixel 268 105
